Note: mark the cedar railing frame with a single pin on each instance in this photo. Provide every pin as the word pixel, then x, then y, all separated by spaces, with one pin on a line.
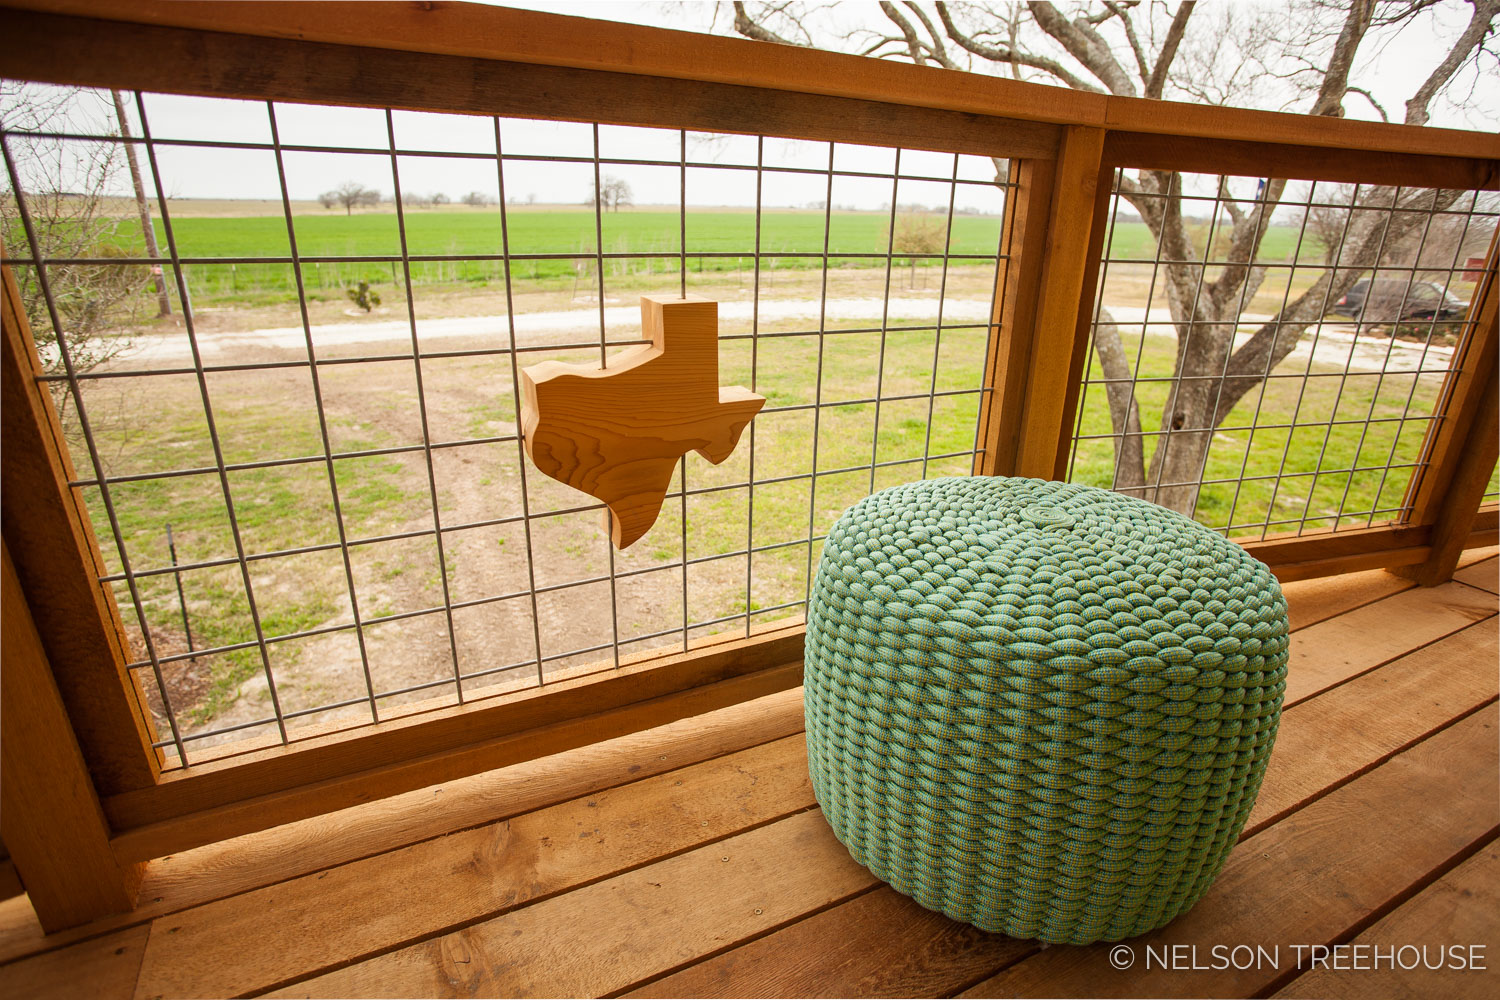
pixel 1064 146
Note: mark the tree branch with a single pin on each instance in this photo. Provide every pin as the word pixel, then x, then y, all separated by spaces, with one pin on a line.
pixel 1158 80
pixel 1122 12
pixel 1085 44
pixel 1362 92
pixel 1011 55
pixel 1479 26
pixel 914 47
pixel 1330 99
pixel 1244 246
pixel 750 28
pixel 1279 336
pixel 935 45
pixel 1124 412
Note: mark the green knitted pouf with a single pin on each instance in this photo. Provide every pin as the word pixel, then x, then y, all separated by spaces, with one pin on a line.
pixel 1040 708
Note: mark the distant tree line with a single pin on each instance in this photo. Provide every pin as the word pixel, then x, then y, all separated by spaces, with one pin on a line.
pixel 351 195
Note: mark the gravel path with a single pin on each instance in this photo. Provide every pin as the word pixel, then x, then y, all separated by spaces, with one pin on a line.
pixel 1335 345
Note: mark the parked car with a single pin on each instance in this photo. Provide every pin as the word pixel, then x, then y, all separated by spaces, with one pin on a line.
pixel 1413 299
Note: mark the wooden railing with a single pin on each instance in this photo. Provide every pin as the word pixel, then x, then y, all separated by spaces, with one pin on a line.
pixel 86 802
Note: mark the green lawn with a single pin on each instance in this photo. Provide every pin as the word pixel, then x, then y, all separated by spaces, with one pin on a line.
pixel 561 231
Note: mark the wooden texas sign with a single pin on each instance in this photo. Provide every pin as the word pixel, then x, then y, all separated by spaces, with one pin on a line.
pixel 616 433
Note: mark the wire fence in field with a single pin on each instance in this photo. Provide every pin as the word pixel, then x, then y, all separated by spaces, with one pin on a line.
pixel 1276 364
pixel 355 531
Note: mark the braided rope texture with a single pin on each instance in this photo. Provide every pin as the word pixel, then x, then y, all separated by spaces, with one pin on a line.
pixel 1039 708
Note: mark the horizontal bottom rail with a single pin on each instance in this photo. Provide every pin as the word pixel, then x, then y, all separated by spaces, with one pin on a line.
pixel 1303 557
pixel 263 788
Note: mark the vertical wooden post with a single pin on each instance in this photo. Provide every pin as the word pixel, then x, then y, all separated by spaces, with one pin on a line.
pixel 57 560
pixel 50 815
pixel 1013 321
pixel 1467 442
pixel 1035 364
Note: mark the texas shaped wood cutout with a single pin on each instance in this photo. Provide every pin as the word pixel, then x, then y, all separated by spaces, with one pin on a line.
pixel 616 433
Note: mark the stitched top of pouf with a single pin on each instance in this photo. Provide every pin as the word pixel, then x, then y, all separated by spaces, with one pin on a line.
pixel 1018 550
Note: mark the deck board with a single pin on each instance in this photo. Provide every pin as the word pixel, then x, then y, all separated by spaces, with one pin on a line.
pixel 1390 731
pixel 1458 908
pixel 246 863
pixel 1304 880
pixel 1484 575
pixel 228 948
pixel 607 937
pixel 879 944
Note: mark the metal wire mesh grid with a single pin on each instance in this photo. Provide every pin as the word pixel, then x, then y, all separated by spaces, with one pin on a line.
pixel 857 401
pixel 1273 363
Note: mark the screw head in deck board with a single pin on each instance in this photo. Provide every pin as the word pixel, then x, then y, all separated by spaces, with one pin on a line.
pixel 617 432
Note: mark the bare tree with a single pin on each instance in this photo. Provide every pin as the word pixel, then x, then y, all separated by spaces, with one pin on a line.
pixel 143 208
pixel 916 236
pixel 350 194
pixel 476 198
pixel 1126 48
pixel 616 193
pixel 67 189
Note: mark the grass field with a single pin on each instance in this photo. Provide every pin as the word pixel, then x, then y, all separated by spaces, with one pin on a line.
pixel 570 232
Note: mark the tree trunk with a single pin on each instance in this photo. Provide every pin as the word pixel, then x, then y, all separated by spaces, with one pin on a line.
pixel 148 232
pixel 1124 413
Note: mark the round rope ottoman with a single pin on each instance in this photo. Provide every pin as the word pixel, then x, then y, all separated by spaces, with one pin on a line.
pixel 1039 708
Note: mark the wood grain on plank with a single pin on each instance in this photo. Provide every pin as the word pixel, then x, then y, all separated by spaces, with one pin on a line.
pixel 1077 216
pixel 1471 556
pixel 1013 328
pixel 1311 601
pixel 618 432
pixel 880 944
pixel 57 560
pixel 10 882
pixel 258 940
pixel 215 63
pixel 548 39
pixel 339 791
pixel 1484 575
pixel 402 741
pixel 1327 739
pixel 1311 878
pixel 1295 555
pixel 1269 159
pixel 1458 909
pixel 49 812
pixel 555 40
pixel 103 967
pixel 609 936
pixel 286 852
pixel 1332 651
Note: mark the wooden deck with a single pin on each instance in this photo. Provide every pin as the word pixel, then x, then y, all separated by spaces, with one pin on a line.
pixel 692 861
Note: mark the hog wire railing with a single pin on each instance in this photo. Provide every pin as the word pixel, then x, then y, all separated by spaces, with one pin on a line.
pixel 1368 286
pixel 324 570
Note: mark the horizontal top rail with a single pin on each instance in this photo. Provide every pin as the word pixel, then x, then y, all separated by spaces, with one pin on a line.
pixel 497 33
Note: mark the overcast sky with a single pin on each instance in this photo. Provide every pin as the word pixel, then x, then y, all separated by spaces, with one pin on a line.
pixel 1391 67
